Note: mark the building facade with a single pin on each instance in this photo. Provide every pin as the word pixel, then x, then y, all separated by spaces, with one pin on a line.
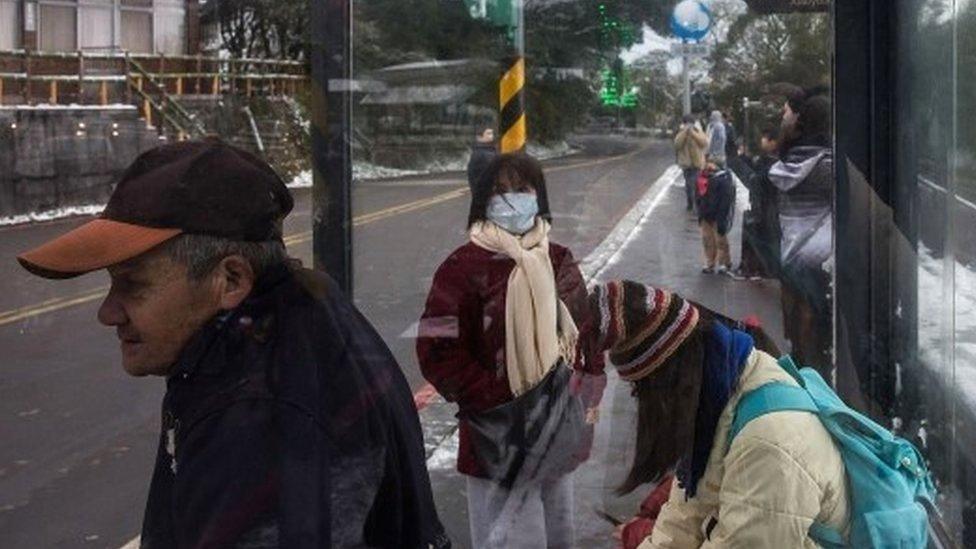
pixel 169 27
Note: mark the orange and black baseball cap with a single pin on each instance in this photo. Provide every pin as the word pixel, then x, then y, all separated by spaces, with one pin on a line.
pixel 193 187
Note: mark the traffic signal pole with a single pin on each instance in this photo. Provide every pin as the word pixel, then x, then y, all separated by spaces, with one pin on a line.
pixel 511 89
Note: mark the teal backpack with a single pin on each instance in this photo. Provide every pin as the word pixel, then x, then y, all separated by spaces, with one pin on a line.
pixel 889 484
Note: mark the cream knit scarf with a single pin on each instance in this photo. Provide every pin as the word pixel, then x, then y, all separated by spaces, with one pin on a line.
pixel 539 329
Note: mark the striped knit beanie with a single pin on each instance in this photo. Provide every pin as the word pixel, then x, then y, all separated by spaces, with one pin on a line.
pixel 641 326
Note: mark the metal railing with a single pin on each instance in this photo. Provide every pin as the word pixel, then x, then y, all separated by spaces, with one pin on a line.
pixel 102 78
pixel 157 99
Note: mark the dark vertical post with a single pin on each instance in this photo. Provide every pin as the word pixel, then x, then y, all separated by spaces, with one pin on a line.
pixel 28 96
pixel 331 130
pixel 863 158
pixel 81 77
pixel 191 22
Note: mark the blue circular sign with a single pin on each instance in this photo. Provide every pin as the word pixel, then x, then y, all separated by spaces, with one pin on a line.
pixel 691 20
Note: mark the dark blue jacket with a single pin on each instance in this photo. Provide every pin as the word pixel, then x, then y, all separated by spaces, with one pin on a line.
pixel 287 423
pixel 717 204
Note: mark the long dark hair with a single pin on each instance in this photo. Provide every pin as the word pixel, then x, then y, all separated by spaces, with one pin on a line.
pixel 511 171
pixel 813 125
pixel 667 402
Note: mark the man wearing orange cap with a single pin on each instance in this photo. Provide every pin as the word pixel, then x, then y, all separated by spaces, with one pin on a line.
pixel 286 420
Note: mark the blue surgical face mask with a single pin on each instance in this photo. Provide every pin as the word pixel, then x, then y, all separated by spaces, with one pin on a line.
pixel 513 212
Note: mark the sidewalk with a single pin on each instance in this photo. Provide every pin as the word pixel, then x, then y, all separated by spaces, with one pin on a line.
pixel 658 243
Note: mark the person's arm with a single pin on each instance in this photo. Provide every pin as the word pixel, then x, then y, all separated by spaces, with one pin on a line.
pixel 445 337
pixel 590 362
pixel 638 529
pixel 699 137
pixel 681 137
pixel 767 499
pixel 472 169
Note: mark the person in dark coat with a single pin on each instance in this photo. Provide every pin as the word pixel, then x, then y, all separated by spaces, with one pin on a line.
pixel 492 327
pixel 804 179
pixel 731 137
pixel 286 420
pixel 483 151
pixel 760 223
pixel 716 209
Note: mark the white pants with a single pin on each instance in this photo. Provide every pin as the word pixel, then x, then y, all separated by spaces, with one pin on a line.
pixel 529 517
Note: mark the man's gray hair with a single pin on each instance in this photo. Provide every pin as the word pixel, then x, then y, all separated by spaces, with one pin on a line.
pixel 202 253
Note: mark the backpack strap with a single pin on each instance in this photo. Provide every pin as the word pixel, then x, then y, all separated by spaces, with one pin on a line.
pixel 783 397
pixel 771 397
pixel 791 368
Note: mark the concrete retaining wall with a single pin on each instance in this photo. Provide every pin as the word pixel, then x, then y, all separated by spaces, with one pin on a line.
pixel 56 157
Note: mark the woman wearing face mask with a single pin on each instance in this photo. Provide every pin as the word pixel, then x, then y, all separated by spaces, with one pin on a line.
pixel 504 326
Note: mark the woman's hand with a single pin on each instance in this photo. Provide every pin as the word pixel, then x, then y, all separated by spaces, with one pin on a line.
pixel 592 416
pixel 633 532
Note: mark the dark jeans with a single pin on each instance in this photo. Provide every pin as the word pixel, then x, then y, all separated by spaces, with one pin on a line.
pixel 691 180
pixel 807 321
pixel 756 247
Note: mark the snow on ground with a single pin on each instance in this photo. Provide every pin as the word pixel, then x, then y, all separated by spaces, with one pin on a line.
pixel 365 171
pixel 941 330
pixel 301 181
pixel 445 456
pixel 71 107
pixel 634 223
pixel 607 254
pixel 362 170
pixel 48 215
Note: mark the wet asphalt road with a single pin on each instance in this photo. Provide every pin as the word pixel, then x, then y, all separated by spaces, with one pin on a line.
pixel 79 435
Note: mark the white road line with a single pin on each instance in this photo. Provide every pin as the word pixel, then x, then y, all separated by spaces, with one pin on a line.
pixel 607 253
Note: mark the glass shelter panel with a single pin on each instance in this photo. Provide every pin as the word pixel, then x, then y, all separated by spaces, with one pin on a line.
pixel 582 232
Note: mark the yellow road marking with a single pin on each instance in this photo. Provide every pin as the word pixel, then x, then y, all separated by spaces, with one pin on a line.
pixel 56 304
pixel 305 236
pixel 59 303
pixel 15 315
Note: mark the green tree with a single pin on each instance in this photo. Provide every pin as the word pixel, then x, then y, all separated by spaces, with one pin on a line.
pixel 260 28
pixel 759 51
pixel 660 91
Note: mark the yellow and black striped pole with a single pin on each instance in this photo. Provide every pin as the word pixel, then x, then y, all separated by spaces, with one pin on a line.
pixel 511 119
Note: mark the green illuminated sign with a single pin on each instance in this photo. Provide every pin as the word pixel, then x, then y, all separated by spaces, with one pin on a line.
pixel 612 93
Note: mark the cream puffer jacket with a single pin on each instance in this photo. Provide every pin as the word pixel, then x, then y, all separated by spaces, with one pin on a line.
pixel 782 472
